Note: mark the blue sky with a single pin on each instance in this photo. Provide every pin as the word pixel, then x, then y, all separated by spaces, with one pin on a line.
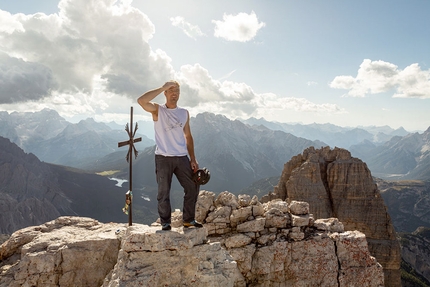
pixel 350 63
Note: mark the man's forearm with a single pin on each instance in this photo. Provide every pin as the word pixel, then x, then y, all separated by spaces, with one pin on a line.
pixel 190 148
pixel 150 95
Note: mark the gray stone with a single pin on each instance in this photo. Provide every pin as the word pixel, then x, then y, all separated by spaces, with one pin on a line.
pixel 237 240
pixel 252 226
pixel 329 224
pixel 299 207
pixel 300 220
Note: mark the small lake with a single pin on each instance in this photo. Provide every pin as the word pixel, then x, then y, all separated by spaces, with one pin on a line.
pixel 119 181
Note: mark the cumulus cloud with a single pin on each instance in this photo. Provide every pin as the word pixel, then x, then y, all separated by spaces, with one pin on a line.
pixel 21 81
pixel 375 77
pixel 271 102
pixel 190 30
pixel 201 92
pixel 93 53
pixel 242 27
pixel 86 39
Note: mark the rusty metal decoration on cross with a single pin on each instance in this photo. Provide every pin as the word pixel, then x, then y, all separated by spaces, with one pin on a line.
pixel 131 149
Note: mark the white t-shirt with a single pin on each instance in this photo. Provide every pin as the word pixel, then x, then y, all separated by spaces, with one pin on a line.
pixel 169 131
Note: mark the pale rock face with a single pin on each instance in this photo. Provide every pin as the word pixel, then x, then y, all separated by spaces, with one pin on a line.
pixel 257 210
pixel 237 240
pixel 329 224
pixel 220 215
pixel 240 215
pixel 300 220
pixel 206 200
pixel 244 200
pixel 255 225
pixel 299 207
pixel 277 204
pixel 226 198
pixel 336 185
pixel 276 218
pixel 62 252
pixel 271 249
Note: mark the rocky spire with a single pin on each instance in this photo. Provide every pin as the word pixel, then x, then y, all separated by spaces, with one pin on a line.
pixel 335 184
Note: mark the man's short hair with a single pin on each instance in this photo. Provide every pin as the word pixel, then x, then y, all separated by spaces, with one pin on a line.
pixel 176 82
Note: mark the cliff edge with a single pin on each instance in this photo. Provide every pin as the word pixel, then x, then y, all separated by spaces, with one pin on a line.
pixel 243 243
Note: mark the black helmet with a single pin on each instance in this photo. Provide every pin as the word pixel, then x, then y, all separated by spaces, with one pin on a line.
pixel 201 176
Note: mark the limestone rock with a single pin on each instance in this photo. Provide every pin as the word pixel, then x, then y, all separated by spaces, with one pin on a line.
pixel 260 251
pixel 252 226
pixel 299 207
pixel 329 224
pixel 179 257
pixel 257 210
pixel 68 251
pixel 240 215
pixel 226 198
pixel 244 200
pixel 220 215
pixel 237 240
pixel 336 185
pixel 278 204
pixel 300 220
pixel 276 218
pixel 352 252
pixel 206 200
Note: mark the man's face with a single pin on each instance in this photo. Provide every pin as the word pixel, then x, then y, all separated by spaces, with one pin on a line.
pixel 172 94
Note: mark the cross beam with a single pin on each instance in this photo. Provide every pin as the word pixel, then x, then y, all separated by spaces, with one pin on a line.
pixel 131 148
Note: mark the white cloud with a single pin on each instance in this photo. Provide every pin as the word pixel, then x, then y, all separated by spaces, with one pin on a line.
pixel 311 83
pixel 272 102
pixel 375 77
pixel 241 27
pixel 413 83
pixel 9 23
pixel 201 92
pixel 86 39
pixel 21 81
pixel 72 63
pixel 190 30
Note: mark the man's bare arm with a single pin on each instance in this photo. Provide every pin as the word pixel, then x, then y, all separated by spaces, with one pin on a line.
pixel 145 99
pixel 190 145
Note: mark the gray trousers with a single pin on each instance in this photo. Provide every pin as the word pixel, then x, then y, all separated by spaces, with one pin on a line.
pixel 165 167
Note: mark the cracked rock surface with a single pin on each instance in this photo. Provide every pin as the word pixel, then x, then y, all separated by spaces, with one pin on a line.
pixel 252 251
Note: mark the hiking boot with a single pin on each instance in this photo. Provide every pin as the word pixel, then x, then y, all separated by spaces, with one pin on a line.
pixel 193 224
pixel 166 226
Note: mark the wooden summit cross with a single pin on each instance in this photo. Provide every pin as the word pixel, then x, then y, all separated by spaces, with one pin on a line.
pixel 129 158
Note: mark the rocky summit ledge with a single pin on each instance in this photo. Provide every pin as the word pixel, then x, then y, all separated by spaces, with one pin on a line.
pixel 278 245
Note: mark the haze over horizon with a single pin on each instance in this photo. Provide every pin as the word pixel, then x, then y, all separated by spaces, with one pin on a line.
pixel 347 63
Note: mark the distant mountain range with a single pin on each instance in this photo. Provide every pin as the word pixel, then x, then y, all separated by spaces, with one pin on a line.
pixel 406 157
pixel 52 139
pixel 389 153
pixel 238 154
pixel 33 192
pixel 235 153
pixel 334 136
pixel 258 146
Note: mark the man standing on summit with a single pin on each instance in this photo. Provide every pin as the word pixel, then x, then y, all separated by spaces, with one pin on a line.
pixel 174 143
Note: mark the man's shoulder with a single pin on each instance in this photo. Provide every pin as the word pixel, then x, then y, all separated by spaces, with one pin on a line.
pixel 183 109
